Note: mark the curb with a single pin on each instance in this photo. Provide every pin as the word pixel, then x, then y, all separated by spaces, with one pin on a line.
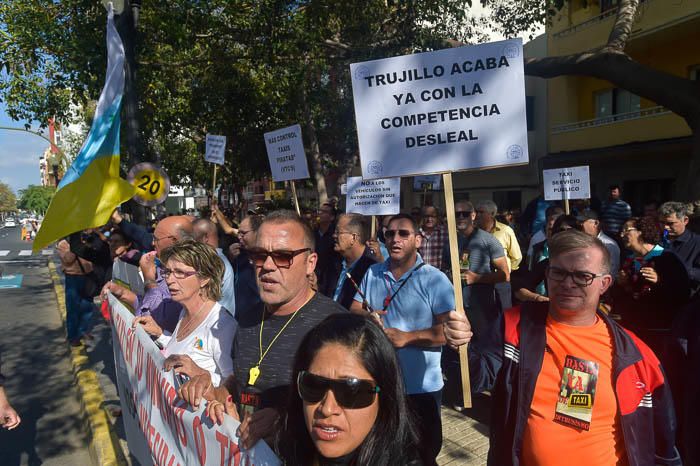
pixel 104 445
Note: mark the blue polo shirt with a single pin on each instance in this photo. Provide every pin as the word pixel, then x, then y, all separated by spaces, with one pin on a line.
pixel 427 293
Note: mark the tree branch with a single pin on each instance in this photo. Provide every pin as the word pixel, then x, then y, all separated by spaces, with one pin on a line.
pixel 680 95
pixel 620 33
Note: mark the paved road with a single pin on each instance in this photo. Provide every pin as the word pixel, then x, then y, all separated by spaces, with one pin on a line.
pixel 35 359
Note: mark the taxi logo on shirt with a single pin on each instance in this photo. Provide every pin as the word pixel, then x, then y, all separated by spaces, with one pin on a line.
pixel 581 400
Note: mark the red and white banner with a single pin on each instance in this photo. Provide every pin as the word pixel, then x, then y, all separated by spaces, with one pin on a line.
pixel 160 428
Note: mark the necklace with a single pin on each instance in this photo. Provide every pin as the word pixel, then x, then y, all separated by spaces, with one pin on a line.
pixel 254 371
pixel 186 328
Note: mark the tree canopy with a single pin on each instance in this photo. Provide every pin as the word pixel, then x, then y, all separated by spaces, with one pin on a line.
pixel 35 198
pixel 8 201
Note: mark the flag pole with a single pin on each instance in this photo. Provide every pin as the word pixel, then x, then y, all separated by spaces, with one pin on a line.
pixel 213 183
pixel 457 282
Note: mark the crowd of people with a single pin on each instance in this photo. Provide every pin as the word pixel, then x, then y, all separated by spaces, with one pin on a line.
pixel 334 346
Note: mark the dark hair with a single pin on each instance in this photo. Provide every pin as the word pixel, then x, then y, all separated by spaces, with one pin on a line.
pixel 284 216
pixel 392 439
pixel 255 221
pixel 564 221
pixel 414 225
pixel 334 209
pixel 648 228
pixel 613 187
pixel 553 210
pixel 120 237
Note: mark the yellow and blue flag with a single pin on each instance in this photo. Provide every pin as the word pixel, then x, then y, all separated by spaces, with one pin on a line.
pixel 92 188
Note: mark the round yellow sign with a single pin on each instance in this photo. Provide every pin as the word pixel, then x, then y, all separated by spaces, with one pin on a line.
pixel 151 182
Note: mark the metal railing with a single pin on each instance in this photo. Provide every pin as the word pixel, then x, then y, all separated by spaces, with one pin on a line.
pixel 608 120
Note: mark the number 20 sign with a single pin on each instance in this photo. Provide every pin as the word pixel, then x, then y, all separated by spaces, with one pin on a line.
pixel 151 182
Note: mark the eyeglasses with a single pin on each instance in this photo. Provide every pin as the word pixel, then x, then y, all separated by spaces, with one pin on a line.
pixel 580 278
pixel 282 259
pixel 402 233
pixel 156 239
pixel 463 213
pixel 350 393
pixel 179 274
pixel 627 230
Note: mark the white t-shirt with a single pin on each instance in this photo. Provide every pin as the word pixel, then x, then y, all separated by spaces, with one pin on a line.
pixel 208 345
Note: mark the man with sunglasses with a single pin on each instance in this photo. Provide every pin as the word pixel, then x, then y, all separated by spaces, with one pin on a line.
pixel 269 334
pixel 411 299
pixel 564 375
pixel 156 300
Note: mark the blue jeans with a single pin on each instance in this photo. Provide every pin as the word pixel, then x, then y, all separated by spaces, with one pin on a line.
pixel 78 309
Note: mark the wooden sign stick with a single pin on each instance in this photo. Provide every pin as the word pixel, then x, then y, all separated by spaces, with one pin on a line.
pixel 457 282
pixel 373 233
pixel 566 207
pixel 213 183
pixel 296 199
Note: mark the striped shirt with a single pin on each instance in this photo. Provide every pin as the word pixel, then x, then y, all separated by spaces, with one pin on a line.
pixel 613 214
pixel 432 245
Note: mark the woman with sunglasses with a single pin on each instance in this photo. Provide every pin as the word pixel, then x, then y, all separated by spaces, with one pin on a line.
pixel 202 339
pixel 347 404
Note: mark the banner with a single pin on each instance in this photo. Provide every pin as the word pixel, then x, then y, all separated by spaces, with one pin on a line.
pixel 566 183
pixel 128 276
pixel 160 428
pixel 373 197
pixel 453 109
pixel 285 149
pixel 215 151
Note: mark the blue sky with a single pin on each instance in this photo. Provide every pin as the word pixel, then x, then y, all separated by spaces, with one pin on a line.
pixel 19 154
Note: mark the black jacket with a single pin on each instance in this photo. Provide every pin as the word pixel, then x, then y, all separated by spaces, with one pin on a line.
pixel 347 292
pixel 510 362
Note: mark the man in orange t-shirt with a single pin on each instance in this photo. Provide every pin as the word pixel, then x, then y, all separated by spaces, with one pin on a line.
pixel 569 385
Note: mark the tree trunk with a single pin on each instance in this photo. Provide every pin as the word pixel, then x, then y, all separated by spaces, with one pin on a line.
pixel 314 151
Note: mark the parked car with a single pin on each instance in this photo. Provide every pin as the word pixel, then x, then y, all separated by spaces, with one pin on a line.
pixel 10 223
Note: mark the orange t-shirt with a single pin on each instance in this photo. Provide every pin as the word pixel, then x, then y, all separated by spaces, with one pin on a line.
pixel 549 443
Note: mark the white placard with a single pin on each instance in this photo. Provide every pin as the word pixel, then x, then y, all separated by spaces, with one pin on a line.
pixel 429 182
pixel 160 428
pixel 343 189
pixel 453 109
pixel 285 149
pixel 373 197
pixel 566 183
pixel 216 149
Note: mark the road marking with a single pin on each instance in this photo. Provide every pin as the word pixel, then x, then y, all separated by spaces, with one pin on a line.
pixel 25 252
pixel 4 253
pixel 47 252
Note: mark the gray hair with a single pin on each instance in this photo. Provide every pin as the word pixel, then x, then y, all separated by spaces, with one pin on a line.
pixel 488 205
pixel 358 224
pixel 669 208
pixel 572 239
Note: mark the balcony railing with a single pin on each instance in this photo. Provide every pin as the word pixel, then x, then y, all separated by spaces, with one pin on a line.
pixel 590 22
pixel 637 115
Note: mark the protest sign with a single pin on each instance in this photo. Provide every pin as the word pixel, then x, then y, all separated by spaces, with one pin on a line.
pixel 215 149
pixel 566 183
pixel 453 109
pixel 373 197
pixel 285 149
pixel 152 183
pixel 128 276
pixel 160 428
pixel 426 183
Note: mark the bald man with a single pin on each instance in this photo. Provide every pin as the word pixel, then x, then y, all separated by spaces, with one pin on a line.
pixel 156 300
pixel 205 231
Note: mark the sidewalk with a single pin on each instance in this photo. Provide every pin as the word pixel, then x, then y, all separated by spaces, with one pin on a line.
pixel 465 436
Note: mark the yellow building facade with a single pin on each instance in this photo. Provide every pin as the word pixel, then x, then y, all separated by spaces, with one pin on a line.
pixel 625 139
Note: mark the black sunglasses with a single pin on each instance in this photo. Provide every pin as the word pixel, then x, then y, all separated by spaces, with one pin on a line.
pixel 463 213
pixel 282 259
pixel 402 233
pixel 349 393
